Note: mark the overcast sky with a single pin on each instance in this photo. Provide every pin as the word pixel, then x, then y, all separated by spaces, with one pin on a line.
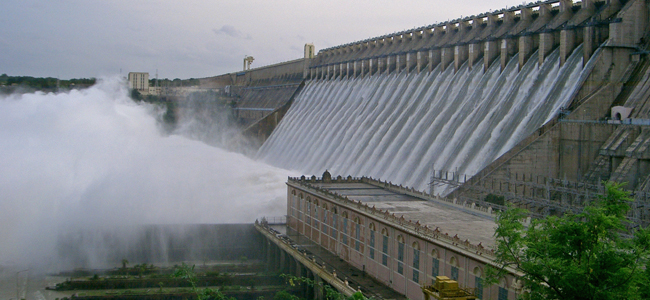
pixel 194 38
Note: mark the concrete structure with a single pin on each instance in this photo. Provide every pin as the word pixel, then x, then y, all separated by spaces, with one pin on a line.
pixel 579 146
pixel 264 93
pixel 139 81
pixel 399 236
pixel 541 26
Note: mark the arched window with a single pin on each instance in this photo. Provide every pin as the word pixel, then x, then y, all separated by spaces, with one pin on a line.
pixel 478 282
pixel 435 265
pixel 400 254
pixel 453 262
pixel 416 262
pixel 372 240
pixel 384 247
pixel 357 234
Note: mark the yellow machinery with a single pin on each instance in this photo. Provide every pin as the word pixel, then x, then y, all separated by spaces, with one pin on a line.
pixel 447 289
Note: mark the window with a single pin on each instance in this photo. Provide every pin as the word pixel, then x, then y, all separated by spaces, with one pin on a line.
pixel 503 294
pixel 478 282
pixel 357 235
pixel 316 215
pixel 416 262
pixel 308 211
pixel 479 287
pixel 344 231
pixel 299 207
pixel 372 241
pixel 400 254
pixel 292 207
pixel 325 212
pixel 384 247
pixel 454 268
pixel 335 219
pixel 435 267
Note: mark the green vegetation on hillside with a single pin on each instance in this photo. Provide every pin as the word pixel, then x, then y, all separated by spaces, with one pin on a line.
pixel 47 83
pixel 176 82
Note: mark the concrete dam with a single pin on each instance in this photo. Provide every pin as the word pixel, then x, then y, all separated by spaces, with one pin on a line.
pixel 521 102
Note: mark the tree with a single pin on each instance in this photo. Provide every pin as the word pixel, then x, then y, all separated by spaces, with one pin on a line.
pixel 186 272
pixel 135 95
pixel 588 255
pixel 124 263
pixel 330 292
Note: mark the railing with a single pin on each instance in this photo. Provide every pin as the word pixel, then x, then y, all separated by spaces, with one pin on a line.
pixel 345 282
pixel 274 220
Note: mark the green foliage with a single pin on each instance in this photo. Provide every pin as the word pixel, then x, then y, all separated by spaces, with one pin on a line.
pixel 330 292
pixel 135 95
pixel 284 295
pixel 576 256
pixel 186 272
pixel 44 83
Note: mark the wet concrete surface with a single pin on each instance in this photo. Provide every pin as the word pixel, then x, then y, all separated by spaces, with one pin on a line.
pixel 343 269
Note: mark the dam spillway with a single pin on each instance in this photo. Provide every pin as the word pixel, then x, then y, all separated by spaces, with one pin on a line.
pixel 498 95
pixel 400 126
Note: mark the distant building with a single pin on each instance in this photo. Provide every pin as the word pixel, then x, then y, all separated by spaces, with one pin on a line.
pixel 139 81
pixel 156 91
pixel 309 50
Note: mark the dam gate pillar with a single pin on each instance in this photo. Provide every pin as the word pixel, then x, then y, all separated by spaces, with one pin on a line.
pixel 446 57
pixel 460 56
pixel 490 53
pixel 355 68
pixel 434 58
pixel 569 39
pixel 475 53
pixel 508 49
pixel 421 60
pixel 526 48
pixel 546 45
pixel 410 61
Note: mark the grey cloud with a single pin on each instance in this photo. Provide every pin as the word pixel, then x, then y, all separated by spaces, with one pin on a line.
pixel 231 31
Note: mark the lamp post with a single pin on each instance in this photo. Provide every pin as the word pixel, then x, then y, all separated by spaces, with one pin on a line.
pixel 17 287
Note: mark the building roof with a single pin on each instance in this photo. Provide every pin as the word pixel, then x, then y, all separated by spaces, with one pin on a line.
pixel 468 223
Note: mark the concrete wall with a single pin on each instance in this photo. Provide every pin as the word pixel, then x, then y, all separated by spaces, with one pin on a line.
pixel 281 73
pixel 264 125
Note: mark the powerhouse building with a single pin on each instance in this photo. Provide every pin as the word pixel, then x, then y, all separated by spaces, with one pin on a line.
pixel 402 237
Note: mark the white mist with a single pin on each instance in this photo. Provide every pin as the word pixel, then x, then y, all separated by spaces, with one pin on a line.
pixel 94 159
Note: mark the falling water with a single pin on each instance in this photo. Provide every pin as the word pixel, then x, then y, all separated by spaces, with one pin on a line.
pixel 400 126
